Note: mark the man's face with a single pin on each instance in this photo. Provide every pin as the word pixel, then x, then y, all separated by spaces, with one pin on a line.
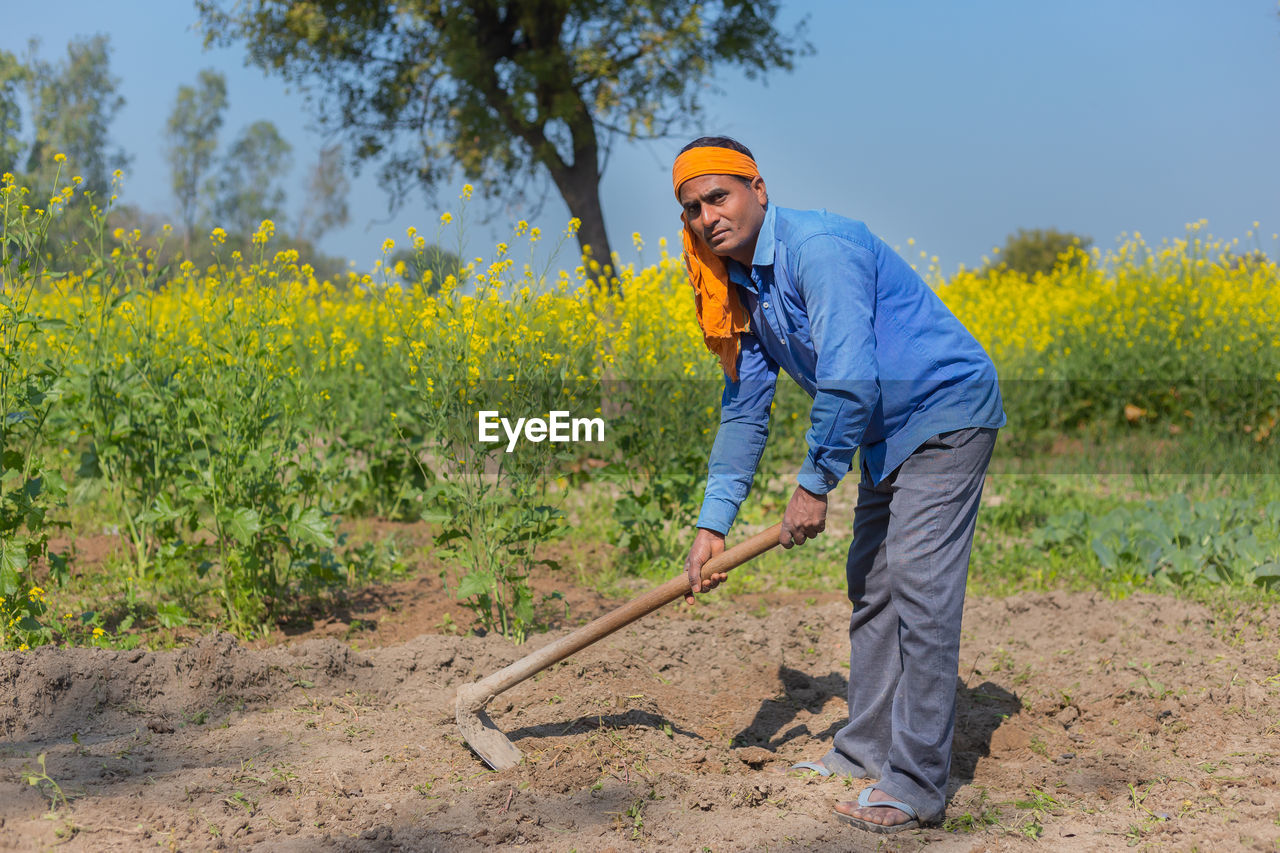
pixel 725 212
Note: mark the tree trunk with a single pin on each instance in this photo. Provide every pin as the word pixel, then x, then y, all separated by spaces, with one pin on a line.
pixel 580 189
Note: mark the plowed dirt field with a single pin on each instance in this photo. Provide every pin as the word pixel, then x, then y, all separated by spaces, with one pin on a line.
pixel 1084 724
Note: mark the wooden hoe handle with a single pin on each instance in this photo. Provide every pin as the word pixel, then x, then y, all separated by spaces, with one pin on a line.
pixel 479 694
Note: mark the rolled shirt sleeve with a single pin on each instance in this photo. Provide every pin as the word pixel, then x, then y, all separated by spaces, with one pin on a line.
pixel 740 440
pixel 837 280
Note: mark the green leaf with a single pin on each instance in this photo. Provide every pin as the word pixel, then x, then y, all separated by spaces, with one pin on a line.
pixel 53 322
pixel 171 615
pixel 475 583
pixel 1106 554
pixel 89 468
pixel 447 536
pixel 311 528
pixel 1267 572
pixel 58 568
pixel 161 510
pixel 11 459
pixel 13 559
pixel 243 523
pixel 524 606
pixel 33 488
pixel 1249 551
pixel 435 516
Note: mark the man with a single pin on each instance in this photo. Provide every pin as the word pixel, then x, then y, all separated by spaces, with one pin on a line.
pixel 893 375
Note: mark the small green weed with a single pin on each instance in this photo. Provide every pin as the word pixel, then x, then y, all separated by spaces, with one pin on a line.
pixel 979 814
pixel 636 814
pixel 46 784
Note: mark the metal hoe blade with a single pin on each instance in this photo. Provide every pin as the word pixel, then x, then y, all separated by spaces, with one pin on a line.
pixel 481 734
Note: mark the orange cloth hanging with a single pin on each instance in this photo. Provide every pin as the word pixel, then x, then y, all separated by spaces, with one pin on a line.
pixel 721 314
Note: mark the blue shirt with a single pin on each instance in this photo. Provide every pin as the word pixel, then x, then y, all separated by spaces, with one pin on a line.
pixel 887 364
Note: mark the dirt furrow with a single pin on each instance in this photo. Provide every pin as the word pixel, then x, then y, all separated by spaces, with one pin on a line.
pixel 1083 723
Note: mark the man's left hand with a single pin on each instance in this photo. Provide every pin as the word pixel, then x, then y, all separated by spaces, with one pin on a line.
pixel 805 518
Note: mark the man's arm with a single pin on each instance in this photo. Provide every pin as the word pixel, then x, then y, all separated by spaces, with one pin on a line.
pixel 739 443
pixel 740 440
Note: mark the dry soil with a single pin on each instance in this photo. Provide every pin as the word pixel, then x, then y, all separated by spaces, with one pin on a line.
pixel 1084 724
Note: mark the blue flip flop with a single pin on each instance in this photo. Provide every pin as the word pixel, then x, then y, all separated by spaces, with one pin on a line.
pixel 864 801
pixel 816 766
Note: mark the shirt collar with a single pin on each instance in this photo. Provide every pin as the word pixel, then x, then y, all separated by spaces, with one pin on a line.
pixel 763 256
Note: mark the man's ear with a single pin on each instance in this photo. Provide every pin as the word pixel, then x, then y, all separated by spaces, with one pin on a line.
pixel 762 194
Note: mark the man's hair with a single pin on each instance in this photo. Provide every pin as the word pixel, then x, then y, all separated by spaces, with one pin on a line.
pixel 721 142
pixel 718 142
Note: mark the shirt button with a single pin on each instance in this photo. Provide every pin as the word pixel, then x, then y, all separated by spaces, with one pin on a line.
pixel 766 305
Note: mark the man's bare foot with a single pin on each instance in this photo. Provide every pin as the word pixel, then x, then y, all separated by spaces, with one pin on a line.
pixel 880 815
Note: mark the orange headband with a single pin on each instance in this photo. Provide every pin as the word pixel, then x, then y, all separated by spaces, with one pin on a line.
pixel 697 162
pixel 720 313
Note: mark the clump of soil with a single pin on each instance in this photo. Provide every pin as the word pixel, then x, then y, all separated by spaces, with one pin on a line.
pixel 1083 724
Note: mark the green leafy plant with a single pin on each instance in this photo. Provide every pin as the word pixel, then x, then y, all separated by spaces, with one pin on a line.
pixel 659 466
pixel 206 451
pixel 32 384
pixel 46 783
pixel 493 504
pixel 132 406
pixel 253 467
pixel 1176 542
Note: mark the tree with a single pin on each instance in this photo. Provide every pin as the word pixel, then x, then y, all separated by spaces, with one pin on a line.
pixel 72 106
pixel 325 207
pixel 192 137
pixel 503 90
pixel 248 188
pixel 12 75
pixel 1037 250
pixel 441 263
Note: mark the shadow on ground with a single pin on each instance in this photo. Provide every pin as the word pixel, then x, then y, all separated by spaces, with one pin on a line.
pixel 980 710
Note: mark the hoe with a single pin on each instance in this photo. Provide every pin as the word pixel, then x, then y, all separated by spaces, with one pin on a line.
pixel 480 732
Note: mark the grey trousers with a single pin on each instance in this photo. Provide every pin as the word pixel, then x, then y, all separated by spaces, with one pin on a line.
pixel 907 570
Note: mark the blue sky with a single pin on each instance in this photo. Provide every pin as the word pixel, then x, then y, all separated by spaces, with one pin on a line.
pixel 950 123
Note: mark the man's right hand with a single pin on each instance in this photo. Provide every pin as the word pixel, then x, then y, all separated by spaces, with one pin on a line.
pixel 706 544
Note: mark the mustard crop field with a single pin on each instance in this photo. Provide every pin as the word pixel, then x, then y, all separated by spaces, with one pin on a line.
pixel 227 419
